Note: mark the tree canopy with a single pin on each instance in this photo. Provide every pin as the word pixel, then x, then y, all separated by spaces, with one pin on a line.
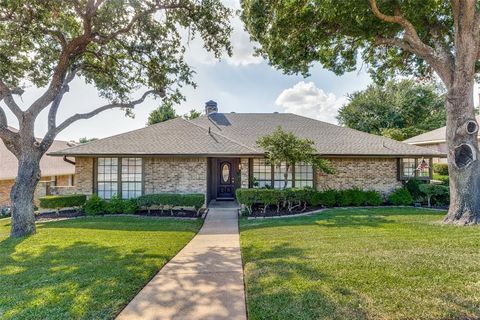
pixel 283 147
pixel 397 109
pixel 162 113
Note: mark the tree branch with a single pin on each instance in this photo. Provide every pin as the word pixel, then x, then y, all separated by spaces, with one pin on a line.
pixel 6 95
pixel 80 116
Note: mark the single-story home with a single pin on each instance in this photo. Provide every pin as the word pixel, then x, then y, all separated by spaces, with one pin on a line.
pixel 434 140
pixel 57 175
pixel 217 153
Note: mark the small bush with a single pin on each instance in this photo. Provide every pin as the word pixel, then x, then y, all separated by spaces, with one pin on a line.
pixel 114 206
pixel 312 197
pixel 195 200
pixel 248 197
pixel 440 168
pixel 373 198
pixel 329 198
pixel 94 206
pixel 435 190
pixel 400 197
pixel 357 197
pixel 130 206
pixel 344 198
pixel 269 197
pixel 64 201
pixel 413 186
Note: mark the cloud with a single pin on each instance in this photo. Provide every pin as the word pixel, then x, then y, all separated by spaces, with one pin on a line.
pixel 306 99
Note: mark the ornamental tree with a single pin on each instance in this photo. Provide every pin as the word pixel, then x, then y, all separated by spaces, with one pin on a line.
pixel 283 147
pixel 119 46
pixel 392 37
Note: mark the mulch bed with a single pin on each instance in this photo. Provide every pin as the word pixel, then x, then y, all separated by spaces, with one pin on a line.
pixel 168 213
pixel 60 215
pixel 257 211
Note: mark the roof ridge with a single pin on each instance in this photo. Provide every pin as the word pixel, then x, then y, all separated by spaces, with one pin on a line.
pixel 221 135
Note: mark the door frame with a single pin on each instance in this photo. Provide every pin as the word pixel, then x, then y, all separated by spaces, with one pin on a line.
pixel 215 175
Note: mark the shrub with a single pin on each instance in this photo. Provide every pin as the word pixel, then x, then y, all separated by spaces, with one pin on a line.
pixel 248 197
pixel 312 197
pixel 373 198
pixel 413 186
pixel 64 201
pixel 400 197
pixel 445 180
pixel 130 206
pixel 357 197
pixel 329 198
pixel 344 198
pixel 434 190
pixel 441 168
pixel 195 200
pixel 94 206
pixel 114 206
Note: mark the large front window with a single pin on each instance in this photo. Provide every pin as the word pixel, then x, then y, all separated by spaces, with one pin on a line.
pixel 265 175
pixel 119 176
pixel 415 168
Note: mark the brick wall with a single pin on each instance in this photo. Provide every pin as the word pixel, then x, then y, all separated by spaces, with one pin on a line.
pixel 369 174
pixel 182 175
pixel 244 172
pixel 5 187
pixel 84 175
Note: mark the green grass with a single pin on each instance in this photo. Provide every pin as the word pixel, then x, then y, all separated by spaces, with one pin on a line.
pixel 84 268
pixel 361 264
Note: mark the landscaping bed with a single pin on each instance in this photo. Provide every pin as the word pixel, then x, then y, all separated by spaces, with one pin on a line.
pixel 172 213
pixel 62 214
pixel 258 211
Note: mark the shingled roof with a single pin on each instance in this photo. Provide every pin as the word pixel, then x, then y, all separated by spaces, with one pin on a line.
pixel 49 166
pixel 237 133
pixel 431 137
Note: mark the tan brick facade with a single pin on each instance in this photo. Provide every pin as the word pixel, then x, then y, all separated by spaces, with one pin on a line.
pixel 5 187
pixel 244 173
pixel 84 175
pixel 378 174
pixel 180 175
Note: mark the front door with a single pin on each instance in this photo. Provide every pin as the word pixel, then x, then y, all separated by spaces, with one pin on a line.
pixel 225 179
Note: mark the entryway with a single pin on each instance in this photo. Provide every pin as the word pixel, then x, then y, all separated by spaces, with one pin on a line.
pixel 224 178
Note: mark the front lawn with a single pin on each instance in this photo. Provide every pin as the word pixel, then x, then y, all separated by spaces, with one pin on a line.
pixel 361 264
pixel 86 268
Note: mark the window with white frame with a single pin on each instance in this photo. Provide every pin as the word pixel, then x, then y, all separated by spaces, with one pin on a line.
pixel 265 175
pixel 119 176
pixel 107 177
pixel 262 173
pixel 415 168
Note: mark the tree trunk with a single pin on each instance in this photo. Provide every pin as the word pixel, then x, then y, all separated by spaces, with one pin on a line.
pixel 285 176
pixel 23 217
pixel 463 164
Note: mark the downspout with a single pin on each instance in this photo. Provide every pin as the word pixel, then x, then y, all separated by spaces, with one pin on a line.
pixel 68 160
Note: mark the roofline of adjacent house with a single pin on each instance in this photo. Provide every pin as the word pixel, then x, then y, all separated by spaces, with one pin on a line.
pixel 237 155
pixel 425 142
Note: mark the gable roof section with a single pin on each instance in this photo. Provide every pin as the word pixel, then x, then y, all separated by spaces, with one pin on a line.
pixel 431 137
pixel 49 166
pixel 236 134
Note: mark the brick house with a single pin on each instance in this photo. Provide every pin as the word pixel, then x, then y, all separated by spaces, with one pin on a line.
pixel 58 176
pixel 217 153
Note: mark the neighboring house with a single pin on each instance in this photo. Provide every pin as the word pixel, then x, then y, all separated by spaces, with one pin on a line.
pixel 57 174
pixel 217 153
pixel 434 140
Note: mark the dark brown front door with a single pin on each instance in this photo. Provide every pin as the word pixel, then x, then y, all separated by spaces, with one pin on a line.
pixel 225 179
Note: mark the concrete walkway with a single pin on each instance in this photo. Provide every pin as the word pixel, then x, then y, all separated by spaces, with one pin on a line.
pixel 203 281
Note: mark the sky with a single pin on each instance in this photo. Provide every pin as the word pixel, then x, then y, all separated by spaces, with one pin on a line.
pixel 241 83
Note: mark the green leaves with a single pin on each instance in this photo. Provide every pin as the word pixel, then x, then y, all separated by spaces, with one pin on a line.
pixel 398 110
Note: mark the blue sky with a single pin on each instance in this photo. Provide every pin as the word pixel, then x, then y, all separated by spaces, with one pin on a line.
pixel 241 83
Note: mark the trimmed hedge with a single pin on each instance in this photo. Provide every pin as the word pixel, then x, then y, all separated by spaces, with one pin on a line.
pixel 196 200
pixel 94 206
pixel 441 168
pixel 444 179
pixel 400 197
pixel 63 201
pixel 307 197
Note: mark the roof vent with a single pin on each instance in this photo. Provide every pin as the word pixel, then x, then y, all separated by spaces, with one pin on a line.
pixel 210 107
pixel 275 112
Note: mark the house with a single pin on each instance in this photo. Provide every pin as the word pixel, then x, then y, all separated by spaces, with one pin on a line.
pixel 217 153
pixel 58 176
pixel 434 140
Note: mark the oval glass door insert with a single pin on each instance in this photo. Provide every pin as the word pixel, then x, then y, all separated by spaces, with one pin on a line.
pixel 225 172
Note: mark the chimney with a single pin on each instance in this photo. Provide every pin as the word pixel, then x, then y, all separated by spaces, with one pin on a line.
pixel 210 107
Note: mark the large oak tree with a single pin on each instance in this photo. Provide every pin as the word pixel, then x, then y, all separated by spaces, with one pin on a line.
pixel 119 46
pixel 392 37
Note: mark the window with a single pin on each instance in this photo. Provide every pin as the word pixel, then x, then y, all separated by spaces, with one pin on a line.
pixel 415 168
pixel 279 174
pixel 107 177
pixel 303 175
pixel 409 168
pixel 119 176
pixel 262 173
pixel 131 178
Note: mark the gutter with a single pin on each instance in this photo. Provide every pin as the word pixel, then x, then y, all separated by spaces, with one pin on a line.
pixel 68 160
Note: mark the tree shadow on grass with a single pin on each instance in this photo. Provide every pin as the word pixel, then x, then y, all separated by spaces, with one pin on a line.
pixel 284 285
pixel 77 281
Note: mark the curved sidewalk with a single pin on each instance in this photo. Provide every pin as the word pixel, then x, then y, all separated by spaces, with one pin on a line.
pixel 203 281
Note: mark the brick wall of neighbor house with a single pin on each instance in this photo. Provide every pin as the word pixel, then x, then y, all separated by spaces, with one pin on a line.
pixel 364 173
pixel 84 175
pixel 182 175
pixel 5 187
pixel 244 173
